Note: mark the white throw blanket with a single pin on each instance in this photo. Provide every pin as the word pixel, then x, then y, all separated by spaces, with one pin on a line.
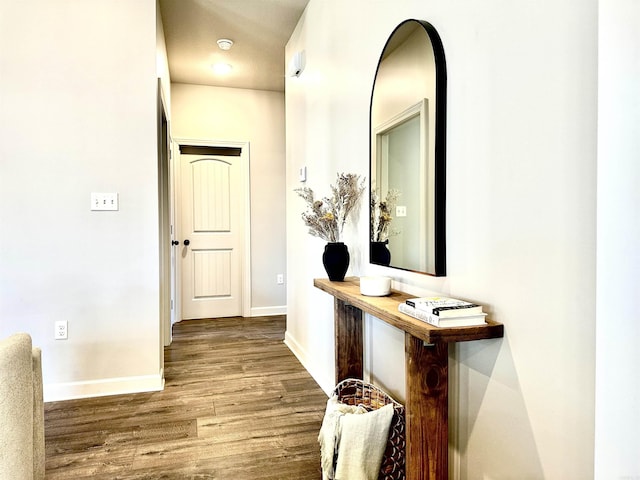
pixel 352 441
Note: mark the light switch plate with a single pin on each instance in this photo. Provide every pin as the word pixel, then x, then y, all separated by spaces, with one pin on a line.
pixel 104 201
pixel 302 174
pixel 401 211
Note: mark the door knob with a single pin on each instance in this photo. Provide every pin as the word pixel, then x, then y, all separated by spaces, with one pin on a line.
pixel 175 242
pixel 187 242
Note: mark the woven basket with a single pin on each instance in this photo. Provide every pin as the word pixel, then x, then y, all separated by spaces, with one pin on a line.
pixel 357 392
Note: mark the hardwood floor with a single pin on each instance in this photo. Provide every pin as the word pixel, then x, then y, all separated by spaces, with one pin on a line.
pixel 237 405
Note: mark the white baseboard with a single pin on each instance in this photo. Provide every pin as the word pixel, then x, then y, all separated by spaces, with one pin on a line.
pixel 326 384
pixel 100 388
pixel 268 311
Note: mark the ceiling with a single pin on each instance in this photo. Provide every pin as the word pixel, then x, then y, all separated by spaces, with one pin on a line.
pixel 259 29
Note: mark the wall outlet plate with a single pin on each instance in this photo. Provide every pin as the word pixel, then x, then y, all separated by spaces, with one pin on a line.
pixel 60 332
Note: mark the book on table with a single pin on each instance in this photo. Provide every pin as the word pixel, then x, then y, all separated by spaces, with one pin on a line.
pixel 436 321
pixel 445 307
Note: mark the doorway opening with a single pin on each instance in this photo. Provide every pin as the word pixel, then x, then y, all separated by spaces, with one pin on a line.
pixel 213 227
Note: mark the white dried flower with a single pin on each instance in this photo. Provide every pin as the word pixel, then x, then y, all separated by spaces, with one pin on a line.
pixel 326 218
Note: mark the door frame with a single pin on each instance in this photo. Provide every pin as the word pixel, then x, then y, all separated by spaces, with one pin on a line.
pixel 165 194
pixel 244 196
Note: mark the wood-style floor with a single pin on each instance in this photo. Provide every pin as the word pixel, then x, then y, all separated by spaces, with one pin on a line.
pixel 237 405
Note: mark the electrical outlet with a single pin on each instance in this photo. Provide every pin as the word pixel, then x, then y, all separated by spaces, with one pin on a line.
pixel 280 279
pixel 61 330
pixel 401 211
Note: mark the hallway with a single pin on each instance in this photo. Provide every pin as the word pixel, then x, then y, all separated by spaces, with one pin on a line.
pixel 237 404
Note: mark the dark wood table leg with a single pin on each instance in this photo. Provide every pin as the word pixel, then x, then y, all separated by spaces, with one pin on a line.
pixel 427 430
pixel 349 341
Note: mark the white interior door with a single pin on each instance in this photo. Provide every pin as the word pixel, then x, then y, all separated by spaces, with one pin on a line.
pixel 212 199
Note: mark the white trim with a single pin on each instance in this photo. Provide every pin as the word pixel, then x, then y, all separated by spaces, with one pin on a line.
pixel 268 311
pixel 165 197
pixel 326 384
pixel 380 173
pixel 246 274
pixel 100 388
pixel 176 288
pixel 246 184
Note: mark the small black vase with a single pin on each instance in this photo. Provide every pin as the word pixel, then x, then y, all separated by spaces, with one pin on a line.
pixel 336 260
pixel 379 253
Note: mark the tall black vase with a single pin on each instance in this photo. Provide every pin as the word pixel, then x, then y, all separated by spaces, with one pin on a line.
pixel 336 260
pixel 379 253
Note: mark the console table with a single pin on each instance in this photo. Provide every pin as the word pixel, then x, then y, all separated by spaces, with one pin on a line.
pixel 426 364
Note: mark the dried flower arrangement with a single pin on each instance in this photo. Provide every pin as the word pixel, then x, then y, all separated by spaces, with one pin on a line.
pixel 326 217
pixel 381 214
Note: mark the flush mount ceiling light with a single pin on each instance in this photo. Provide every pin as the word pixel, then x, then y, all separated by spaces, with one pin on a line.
pixel 225 44
pixel 221 68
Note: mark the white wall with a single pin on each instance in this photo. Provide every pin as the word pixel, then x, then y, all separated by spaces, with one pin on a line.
pixel 78 115
pixel 162 61
pixel 254 116
pixel 618 329
pixel 521 215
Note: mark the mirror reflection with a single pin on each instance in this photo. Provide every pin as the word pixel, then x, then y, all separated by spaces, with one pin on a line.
pixel 408 152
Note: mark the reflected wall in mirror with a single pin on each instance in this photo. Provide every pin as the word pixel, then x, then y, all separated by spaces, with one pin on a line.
pixel 408 166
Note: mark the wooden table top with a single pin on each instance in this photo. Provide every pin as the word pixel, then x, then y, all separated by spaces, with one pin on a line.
pixel 386 309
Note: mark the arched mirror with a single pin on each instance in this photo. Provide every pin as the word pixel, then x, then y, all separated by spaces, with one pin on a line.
pixel 408 165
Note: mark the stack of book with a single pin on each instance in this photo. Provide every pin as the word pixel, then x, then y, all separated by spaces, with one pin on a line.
pixel 444 311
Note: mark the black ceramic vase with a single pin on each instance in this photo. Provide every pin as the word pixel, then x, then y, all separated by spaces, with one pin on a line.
pixel 380 254
pixel 336 260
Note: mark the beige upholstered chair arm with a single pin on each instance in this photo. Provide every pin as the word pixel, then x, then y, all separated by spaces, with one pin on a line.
pixel 21 410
